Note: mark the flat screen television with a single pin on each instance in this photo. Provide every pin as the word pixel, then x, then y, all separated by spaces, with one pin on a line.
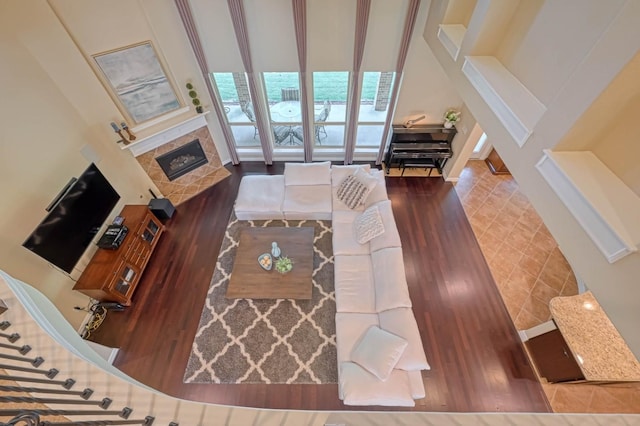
pixel 74 218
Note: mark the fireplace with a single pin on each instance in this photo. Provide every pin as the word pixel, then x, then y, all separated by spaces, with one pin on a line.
pixel 182 160
pixel 155 153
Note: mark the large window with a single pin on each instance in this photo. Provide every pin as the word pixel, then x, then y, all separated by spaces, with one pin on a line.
pixel 330 91
pixel 374 105
pixel 329 109
pixel 283 99
pixel 236 100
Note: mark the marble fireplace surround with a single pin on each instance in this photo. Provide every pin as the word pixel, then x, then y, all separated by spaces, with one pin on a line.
pixel 147 149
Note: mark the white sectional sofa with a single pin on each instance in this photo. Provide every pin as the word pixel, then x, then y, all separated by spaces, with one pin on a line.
pixel 303 192
pixel 380 353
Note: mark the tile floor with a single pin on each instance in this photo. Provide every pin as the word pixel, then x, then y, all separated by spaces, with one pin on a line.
pixel 530 270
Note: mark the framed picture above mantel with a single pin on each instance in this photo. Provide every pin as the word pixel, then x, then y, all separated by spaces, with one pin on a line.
pixel 138 82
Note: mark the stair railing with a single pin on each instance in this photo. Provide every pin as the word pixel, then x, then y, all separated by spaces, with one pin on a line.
pixel 25 405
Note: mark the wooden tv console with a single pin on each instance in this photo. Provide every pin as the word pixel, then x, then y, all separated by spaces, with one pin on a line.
pixel 112 275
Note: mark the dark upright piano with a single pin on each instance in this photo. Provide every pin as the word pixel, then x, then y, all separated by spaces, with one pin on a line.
pixel 425 146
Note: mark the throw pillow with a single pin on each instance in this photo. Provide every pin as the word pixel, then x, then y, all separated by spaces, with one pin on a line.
pixel 355 188
pixel 378 352
pixel 368 225
pixel 338 173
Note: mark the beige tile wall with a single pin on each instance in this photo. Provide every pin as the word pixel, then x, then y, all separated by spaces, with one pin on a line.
pixel 192 183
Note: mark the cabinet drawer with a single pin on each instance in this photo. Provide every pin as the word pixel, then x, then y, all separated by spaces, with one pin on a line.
pixel 553 358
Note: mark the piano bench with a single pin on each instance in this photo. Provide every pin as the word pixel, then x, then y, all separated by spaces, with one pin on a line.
pixel 425 163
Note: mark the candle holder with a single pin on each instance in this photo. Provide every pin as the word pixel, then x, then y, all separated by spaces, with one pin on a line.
pixel 117 129
pixel 132 137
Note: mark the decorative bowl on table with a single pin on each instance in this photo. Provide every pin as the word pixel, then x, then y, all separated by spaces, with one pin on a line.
pixel 265 261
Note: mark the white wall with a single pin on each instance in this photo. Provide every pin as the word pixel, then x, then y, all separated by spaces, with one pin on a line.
pixel 463 143
pixel 559 36
pixel 609 129
pixel 425 89
pixel 52 107
pixel 459 12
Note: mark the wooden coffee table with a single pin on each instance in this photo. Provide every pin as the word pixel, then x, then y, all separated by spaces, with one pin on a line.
pixel 250 281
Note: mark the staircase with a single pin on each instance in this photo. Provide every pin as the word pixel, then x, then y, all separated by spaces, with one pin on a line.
pixel 33 395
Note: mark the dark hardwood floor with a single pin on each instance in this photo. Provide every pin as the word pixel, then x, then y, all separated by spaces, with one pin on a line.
pixel 477 361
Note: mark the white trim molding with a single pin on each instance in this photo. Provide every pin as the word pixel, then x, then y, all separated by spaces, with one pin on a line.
pixel 603 205
pixel 451 37
pixel 168 134
pixel 514 105
pixel 537 330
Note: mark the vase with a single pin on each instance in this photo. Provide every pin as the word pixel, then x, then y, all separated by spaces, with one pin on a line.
pixel 448 124
pixel 275 250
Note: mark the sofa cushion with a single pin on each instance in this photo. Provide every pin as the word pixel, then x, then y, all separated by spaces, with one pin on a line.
pixel 402 322
pixel 307 173
pixel 260 197
pixel 378 352
pixel 307 202
pixel 354 284
pixel 416 384
pixel 379 191
pixel 359 387
pixel 390 237
pixel 350 327
pixel 389 279
pixel 368 225
pixel 344 234
pixel 355 188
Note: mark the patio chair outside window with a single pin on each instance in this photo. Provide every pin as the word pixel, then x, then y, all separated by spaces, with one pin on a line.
pixel 281 134
pixel 290 94
pixel 248 110
pixel 322 118
pixel 297 133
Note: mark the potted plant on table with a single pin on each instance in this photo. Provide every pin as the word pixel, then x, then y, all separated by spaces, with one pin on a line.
pixel 284 264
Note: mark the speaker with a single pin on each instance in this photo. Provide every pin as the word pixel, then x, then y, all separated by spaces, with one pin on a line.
pixel 162 208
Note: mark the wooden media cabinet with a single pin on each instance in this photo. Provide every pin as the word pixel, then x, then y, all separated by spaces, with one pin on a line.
pixel 112 275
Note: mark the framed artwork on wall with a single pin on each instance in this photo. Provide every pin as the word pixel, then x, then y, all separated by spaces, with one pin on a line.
pixel 138 81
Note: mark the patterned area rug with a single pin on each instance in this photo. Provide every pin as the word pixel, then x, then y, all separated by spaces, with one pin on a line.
pixel 267 341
